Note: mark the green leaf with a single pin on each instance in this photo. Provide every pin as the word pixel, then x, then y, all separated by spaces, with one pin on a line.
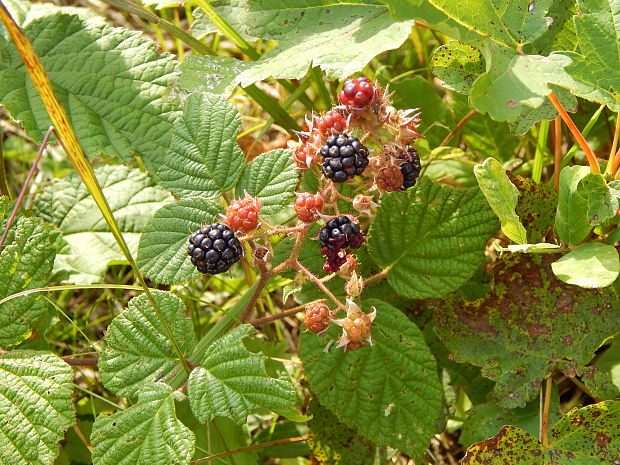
pixel 597 61
pixel 36 406
pixel 162 253
pixel 138 352
pixel 133 197
pixel 603 200
pixel 230 10
pixel 307 35
pixel 147 433
pixel 111 81
pixel 571 218
pixel 272 178
pixel 432 237
pixel 527 326
pixel 214 74
pixel 25 12
pixel 25 263
pixel 232 382
pixel 584 436
pixel 502 196
pixel 204 158
pixel 591 265
pixel 457 65
pixel 389 391
pixel 485 419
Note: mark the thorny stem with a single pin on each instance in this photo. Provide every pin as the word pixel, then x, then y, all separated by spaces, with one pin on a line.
pixel 470 114
pixel 253 447
pixel 614 145
pixel 545 415
pixel 594 166
pixel 298 266
pixel 22 193
pixel 376 277
pixel 557 152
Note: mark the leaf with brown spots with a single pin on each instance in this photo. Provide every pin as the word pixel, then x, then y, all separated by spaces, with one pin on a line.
pixel 529 324
pixel 589 435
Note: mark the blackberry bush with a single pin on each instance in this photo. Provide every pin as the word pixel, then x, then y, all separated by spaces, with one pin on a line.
pixel 214 249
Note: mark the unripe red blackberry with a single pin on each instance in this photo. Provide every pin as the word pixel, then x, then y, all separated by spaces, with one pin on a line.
pixel 308 206
pixel 318 317
pixel 389 179
pixel 355 327
pixel 356 94
pixel 242 214
pixel 304 155
pixel 332 121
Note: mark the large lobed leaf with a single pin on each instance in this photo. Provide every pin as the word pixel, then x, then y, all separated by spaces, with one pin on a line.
pixel 389 391
pixel 204 158
pixel 432 238
pixel 147 433
pixel 529 324
pixel 35 406
pixel 162 253
pixel 587 435
pixel 26 262
pixel 111 81
pixel 231 382
pixel 133 197
pixel 138 352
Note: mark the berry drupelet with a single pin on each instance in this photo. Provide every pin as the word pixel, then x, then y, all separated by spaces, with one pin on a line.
pixel 214 248
pixel 344 157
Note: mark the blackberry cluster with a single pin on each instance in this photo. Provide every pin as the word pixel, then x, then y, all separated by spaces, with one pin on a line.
pixel 335 237
pixel 410 168
pixel 214 248
pixel 344 157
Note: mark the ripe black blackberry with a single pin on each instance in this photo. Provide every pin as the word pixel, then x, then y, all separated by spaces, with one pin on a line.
pixel 343 157
pixel 341 233
pixel 410 168
pixel 214 248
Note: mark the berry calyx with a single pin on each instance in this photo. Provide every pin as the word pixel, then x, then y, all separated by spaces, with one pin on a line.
pixel 332 121
pixel 390 178
pixel 410 168
pixel 308 206
pixel 356 94
pixel 318 317
pixel 356 327
pixel 344 157
pixel 214 248
pixel 242 214
pixel 304 154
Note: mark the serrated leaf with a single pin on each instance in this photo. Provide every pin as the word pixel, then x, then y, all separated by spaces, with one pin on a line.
pixel 530 116
pixel 272 178
pixel 432 238
pixel 502 196
pixel 204 158
pixel 162 253
pixel 307 35
pixel 147 433
pixel 571 218
pixel 26 262
pixel 138 353
pixel 592 265
pixel 584 436
pixel 214 74
pixel 390 392
pixel 457 65
pixel 597 61
pixel 603 199
pixel 111 81
pixel 526 326
pixel 36 406
pixel 133 197
pixel 231 382
pixel 25 12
